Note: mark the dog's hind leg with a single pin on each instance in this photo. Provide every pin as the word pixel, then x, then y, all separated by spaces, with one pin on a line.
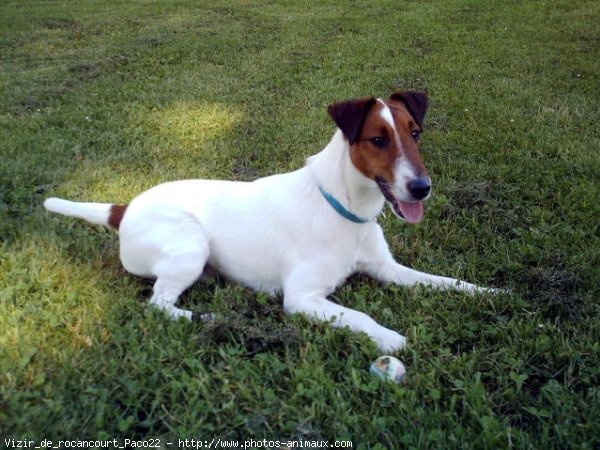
pixel 173 276
pixel 171 248
pixel 181 263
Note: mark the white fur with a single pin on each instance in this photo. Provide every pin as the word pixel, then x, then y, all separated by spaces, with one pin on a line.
pixel 404 172
pixel 96 213
pixel 386 114
pixel 274 234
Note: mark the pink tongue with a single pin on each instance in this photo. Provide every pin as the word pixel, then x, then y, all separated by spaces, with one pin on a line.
pixel 412 211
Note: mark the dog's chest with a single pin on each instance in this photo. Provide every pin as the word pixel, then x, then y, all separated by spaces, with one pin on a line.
pixel 264 261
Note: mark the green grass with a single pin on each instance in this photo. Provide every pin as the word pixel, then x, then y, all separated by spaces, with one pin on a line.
pixel 101 100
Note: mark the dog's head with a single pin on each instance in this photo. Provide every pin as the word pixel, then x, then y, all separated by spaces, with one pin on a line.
pixel 384 138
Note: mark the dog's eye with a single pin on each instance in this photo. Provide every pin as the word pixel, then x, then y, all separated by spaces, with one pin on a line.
pixel 379 141
pixel 416 134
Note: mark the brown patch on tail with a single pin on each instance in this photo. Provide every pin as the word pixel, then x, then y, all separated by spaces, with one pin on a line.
pixel 116 215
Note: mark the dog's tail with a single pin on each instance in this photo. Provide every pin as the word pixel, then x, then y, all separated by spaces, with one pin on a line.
pixel 98 213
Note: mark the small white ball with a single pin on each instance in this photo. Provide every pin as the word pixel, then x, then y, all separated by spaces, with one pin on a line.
pixel 388 368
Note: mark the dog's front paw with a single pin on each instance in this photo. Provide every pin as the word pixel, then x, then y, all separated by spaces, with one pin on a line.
pixel 172 311
pixel 389 341
pixel 203 317
pixel 492 291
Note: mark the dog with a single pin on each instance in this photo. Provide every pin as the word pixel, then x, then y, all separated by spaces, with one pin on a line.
pixel 300 233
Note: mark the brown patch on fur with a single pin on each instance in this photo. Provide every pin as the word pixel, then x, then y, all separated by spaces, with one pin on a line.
pixel 375 161
pixel 116 215
pixel 371 160
pixel 350 116
pixel 405 125
pixel 414 101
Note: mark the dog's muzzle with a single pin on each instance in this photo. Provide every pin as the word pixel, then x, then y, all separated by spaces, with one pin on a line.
pixel 412 211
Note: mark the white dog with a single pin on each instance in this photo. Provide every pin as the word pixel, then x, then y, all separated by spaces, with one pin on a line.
pixel 301 233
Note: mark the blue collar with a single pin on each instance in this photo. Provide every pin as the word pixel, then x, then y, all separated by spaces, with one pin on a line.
pixel 340 209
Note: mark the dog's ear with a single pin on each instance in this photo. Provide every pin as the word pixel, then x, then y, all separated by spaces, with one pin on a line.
pixel 415 102
pixel 350 116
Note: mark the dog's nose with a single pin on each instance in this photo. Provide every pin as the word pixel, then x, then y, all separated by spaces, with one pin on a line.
pixel 419 188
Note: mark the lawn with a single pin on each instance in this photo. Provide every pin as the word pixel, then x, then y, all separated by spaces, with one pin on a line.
pixel 101 100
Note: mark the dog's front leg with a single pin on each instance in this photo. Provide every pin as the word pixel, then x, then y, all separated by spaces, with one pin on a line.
pixel 305 291
pixel 376 260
